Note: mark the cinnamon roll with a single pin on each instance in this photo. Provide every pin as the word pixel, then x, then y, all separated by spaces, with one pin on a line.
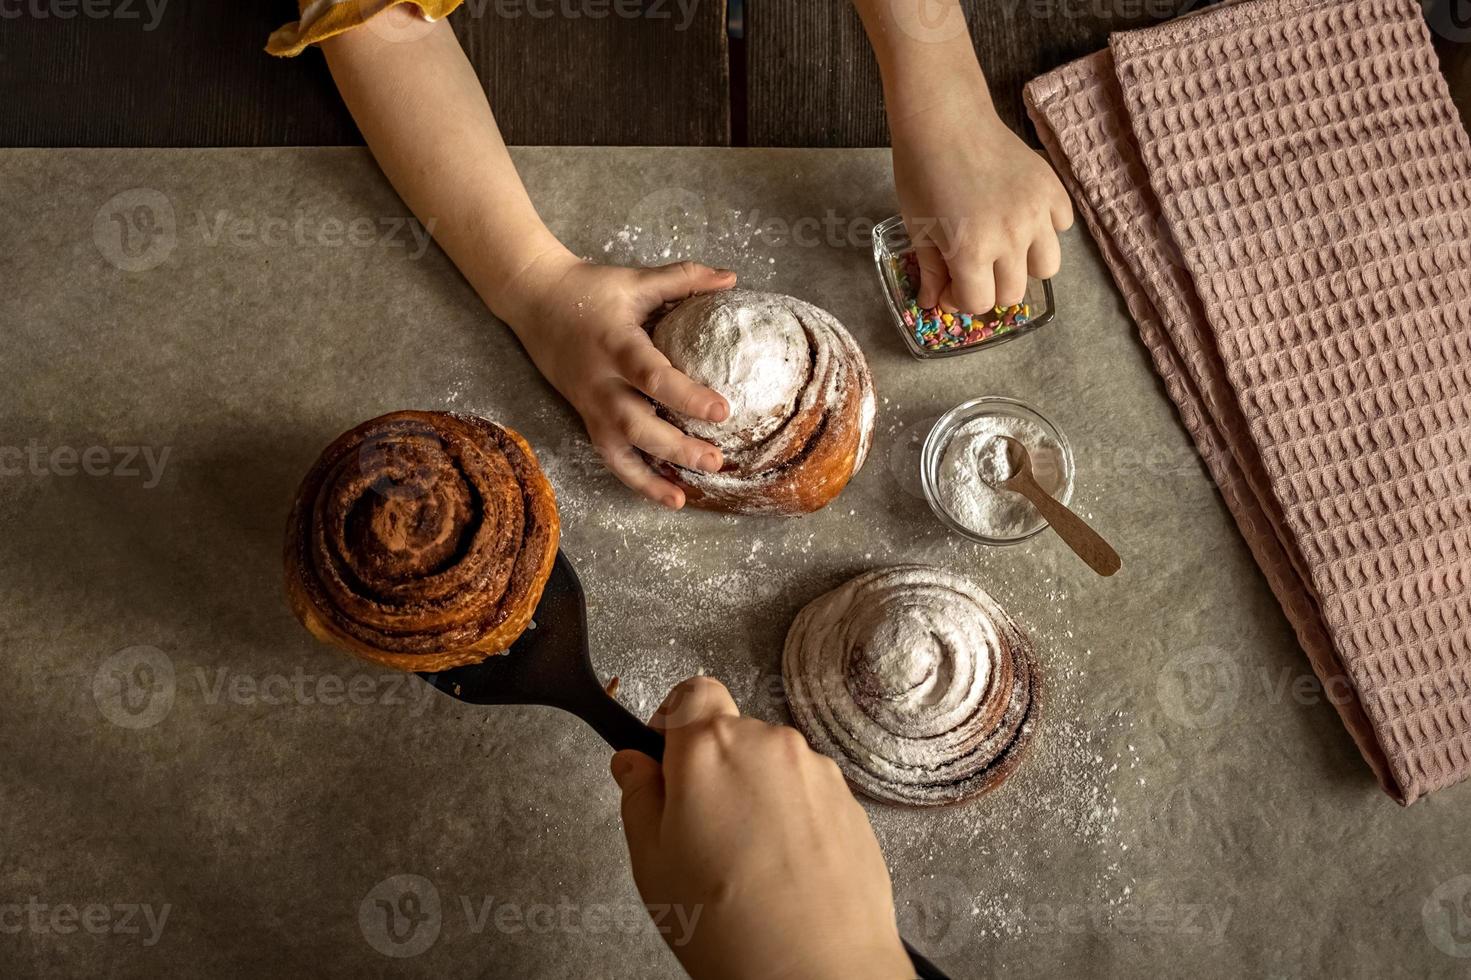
pixel 421 540
pixel 915 682
pixel 800 393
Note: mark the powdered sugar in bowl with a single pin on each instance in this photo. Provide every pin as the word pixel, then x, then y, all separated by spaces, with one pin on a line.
pixel 961 454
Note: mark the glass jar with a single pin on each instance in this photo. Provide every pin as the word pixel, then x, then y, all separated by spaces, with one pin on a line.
pixel 893 254
pixel 938 441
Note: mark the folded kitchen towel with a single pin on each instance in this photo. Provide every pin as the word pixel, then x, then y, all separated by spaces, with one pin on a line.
pixel 1282 190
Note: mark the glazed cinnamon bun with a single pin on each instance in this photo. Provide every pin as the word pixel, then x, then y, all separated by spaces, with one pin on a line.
pixel 421 540
pixel 915 682
pixel 800 393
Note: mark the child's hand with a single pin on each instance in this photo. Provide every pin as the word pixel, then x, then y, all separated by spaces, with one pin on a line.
pixel 982 208
pixel 763 860
pixel 583 325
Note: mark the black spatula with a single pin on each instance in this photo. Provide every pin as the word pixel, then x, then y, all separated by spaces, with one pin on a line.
pixel 551 665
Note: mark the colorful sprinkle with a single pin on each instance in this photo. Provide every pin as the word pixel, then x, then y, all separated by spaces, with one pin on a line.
pixel 934 329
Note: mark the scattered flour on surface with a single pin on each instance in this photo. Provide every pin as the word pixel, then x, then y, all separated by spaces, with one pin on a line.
pixel 731 240
pixel 673 595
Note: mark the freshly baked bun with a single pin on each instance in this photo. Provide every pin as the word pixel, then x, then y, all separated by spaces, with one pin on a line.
pixel 801 400
pixel 421 540
pixel 915 682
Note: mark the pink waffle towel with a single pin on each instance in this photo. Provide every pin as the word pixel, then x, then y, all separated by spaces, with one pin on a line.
pixel 1282 190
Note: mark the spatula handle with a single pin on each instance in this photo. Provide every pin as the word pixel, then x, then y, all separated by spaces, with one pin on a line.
pixel 619 728
pixel 923 968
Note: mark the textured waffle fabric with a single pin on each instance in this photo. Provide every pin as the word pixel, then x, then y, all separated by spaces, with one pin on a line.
pixel 1282 190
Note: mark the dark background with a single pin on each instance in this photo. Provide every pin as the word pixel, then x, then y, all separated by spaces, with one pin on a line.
pixel 761 73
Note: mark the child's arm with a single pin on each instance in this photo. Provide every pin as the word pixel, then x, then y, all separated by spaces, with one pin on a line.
pixel 420 107
pixel 982 208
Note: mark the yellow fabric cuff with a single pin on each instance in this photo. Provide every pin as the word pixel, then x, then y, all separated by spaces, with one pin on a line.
pixel 321 19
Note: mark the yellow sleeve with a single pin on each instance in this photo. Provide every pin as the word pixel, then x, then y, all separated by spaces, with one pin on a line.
pixel 321 19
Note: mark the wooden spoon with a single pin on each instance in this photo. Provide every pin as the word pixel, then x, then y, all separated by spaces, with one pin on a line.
pixel 1073 530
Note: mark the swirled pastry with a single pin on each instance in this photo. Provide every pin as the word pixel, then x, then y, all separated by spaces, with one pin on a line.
pixel 800 393
pixel 421 540
pixel 915 682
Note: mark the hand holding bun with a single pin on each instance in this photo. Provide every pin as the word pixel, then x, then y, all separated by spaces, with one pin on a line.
pixel 800 394
pixel 915 682
pixel 421 540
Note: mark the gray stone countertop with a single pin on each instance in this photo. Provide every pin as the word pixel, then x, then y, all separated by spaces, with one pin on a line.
pixel 214 793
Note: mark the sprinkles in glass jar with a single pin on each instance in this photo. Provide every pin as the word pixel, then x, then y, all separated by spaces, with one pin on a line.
pixel 934 329
pixel 932 333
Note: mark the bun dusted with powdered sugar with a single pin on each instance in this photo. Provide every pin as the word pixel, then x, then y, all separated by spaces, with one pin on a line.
pixel 915 682
pixel 801 401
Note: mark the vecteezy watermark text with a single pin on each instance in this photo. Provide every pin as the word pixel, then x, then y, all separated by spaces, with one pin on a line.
pixel 223 686
pixel 1144 10
pixel 403 915
pixel 124 462
pixel 137 688
pixel 276 231
pixel 94 918
pixel 669 10
pixel 138 229
pixel 88 9
pixel 675 922
pixel 941 914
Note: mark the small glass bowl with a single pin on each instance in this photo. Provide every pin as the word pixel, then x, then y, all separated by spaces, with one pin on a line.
pixel 944 430
pixel 890 247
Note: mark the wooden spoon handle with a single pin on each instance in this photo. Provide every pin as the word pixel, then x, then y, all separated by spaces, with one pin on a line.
pixel 1073 530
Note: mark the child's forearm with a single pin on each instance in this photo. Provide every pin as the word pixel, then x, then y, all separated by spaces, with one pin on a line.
pixel 421 109
pixel 981 207
pixel 420 106
pixel 926 59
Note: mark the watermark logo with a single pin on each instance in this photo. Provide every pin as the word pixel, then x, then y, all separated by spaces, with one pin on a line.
pixel 396 25
pixel 930 21
pixel 673 217
pixel 1447 917
pixel 404 466
pixel 138 687
pixel 400 917
pixel 1199 686
pixel 136 229
pixel 404 915
pixel 135 687
pixel 675 223
pixel 1451 19
pixel 937 914
pixel 1158 462
pixel 688 702
pixel 906 456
